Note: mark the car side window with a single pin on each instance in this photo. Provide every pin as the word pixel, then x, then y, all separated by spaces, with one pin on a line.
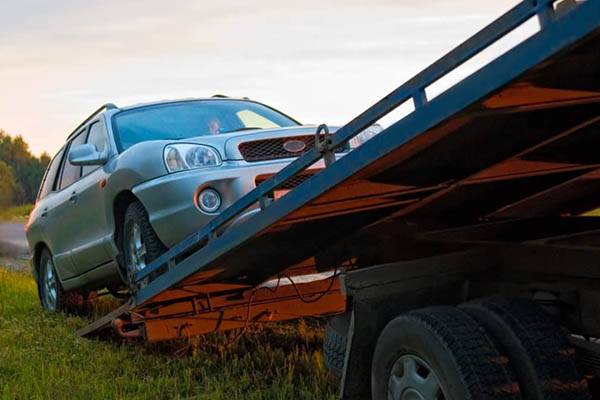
pixel 48 185
pixel 98 138
pixel 71 173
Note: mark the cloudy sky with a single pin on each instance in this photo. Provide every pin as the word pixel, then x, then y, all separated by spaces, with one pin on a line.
pixel 317 60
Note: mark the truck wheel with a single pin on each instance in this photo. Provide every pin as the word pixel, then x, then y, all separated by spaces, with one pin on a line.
pixel 541 354
pixel 439 353
pixel 334 345
pixel 140 245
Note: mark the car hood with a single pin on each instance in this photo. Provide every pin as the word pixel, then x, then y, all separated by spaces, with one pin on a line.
pixel 228 143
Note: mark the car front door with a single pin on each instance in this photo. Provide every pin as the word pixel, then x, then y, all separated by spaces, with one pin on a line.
pixel 91 244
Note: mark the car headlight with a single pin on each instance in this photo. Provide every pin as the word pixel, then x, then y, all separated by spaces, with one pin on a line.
pixel 365 135
pixel 182 156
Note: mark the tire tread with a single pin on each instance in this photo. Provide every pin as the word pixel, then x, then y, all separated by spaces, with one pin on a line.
pixel 154 247
pixel 334 344
pixel 485 371
pixel 537 346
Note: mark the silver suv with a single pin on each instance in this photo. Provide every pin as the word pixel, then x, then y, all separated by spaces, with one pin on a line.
pixel 131 182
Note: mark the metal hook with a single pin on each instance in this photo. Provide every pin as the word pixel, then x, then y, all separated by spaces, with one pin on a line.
pixel 324 146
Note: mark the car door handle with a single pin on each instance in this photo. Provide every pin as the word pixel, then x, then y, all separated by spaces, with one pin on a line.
pixel 45 213
pixel 73 198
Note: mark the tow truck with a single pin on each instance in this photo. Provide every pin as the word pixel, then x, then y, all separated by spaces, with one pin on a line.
pixel 453 253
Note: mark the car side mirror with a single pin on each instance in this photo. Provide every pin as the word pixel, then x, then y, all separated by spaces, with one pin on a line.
pixel 87 154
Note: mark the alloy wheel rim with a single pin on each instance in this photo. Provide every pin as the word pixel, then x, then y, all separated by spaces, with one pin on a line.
pixel 412 378
pixel 50 288
pixel 137 250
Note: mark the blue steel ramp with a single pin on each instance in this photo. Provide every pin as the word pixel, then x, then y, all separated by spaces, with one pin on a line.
pixel 518 138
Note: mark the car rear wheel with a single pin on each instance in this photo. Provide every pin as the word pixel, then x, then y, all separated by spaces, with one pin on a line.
pixel 52 295
pixel 49 288
pixel 140 244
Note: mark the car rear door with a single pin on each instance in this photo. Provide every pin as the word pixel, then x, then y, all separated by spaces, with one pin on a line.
pixel 57 213
pixel 40 227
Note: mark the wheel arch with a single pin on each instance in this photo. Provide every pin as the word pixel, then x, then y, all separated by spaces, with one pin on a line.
pixel 35 258
pixel 120 204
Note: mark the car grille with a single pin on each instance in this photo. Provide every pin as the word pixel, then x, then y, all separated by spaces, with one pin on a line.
pixel 272 149
pixel 290 183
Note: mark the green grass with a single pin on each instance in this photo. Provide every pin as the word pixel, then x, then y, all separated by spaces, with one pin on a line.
pixel 42 358
pixel 16 213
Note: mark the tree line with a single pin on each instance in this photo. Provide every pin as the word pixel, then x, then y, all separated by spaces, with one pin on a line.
pixel 20 171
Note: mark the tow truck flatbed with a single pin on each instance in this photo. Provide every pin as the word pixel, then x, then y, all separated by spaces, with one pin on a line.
pixel 439 164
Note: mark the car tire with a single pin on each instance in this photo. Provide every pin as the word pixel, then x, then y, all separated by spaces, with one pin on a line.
pixel 334 344
pixel 440 353
pixel 52 295
pixel 540 352
pixel 50 290
pixel 136 217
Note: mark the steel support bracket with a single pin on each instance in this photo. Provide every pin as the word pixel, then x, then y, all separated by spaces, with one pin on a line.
pixel 545 14
pixel 324 145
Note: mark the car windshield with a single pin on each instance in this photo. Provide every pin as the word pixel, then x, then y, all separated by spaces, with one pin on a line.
pixel 175 121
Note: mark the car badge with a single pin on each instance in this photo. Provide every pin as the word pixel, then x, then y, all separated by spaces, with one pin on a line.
pixel 294 146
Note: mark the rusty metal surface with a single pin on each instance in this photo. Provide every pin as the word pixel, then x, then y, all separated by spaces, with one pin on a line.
pixel 209 308
pixel 105 322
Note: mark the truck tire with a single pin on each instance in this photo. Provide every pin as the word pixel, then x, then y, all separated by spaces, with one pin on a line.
pixel 334 344
pixel 541 354
pixel 439 353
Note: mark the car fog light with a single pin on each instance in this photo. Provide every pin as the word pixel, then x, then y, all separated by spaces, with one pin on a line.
pixel 209 200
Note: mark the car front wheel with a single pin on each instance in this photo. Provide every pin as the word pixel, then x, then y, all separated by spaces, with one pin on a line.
pixel 140 244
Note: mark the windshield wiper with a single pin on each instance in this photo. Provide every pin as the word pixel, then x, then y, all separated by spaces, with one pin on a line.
pixel 247 128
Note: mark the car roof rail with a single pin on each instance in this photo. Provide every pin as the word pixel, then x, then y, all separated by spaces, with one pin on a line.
pixel 222 96
pixel 105 107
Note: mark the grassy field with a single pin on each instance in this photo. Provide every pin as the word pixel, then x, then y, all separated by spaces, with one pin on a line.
pixel 16 213
pixel 42 358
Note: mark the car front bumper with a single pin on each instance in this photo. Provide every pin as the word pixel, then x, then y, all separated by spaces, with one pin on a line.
pixel 170 199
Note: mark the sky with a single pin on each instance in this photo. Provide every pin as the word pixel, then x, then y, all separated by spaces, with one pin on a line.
pixel 320 61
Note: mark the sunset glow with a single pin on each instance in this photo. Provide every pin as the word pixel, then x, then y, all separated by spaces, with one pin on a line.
pixel 319 61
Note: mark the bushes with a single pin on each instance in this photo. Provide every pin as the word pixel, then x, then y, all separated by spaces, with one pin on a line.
pixel 9 190
pixel 20 171
pixel 15 213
